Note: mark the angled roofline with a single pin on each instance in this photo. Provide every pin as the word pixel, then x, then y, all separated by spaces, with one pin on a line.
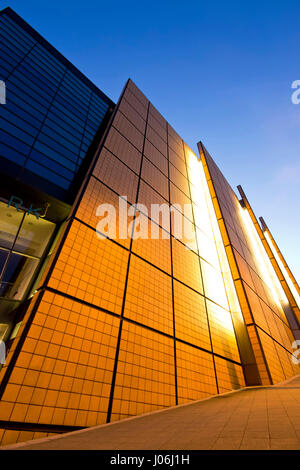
pixel 41 40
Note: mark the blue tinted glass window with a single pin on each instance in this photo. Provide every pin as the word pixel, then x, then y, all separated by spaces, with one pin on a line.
pixel 15 131
pixel 53 155
pixel 77 84
pixel 74 99
pixel 36 54
pixel 27 94
pixel 37 79
pixel 47 77
pixel 74 110
pixel 84 148
pixel 47 174
pixel 18 122
pixel 51 114
pixel 62 120
pixel 24 105
pixel 48 57
pixel 5 69
pixel 60 139
pixel 51 164
pixel 96 117
pixel 62 128
pixel 25 82
pixel 10 55
pixel 52 144
pixel 21 111
pixel 11 153
pixel 12 40
pixel 91 126
pixel 16 29
pixel 69 116
pixel 13 142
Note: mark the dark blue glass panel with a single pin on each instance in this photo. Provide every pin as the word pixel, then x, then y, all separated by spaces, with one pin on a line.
pixel 27 93
pixel 63 153
pixel 52 112
pixel 51 163
pixel 17 30
pixel 43 70
pixel 14 41
pixel 68 117
pixel 23 104
pixel 11 154
pixel 58 138
pixel 9 55
pixel 47 174
pixel 36 54
pixel 22 112
pixel 15 132
pixel 72 108
pixel 63 129
pixel 27 82
pixel 14 120
pixel 5 69
pixel 62 120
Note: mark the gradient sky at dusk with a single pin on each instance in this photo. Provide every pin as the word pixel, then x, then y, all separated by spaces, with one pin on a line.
pixel 217 71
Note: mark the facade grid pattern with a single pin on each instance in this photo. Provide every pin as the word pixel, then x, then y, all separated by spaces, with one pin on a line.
pixel 156 344
pixel 156 288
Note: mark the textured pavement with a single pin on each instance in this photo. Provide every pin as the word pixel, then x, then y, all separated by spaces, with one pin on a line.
pixel 252 418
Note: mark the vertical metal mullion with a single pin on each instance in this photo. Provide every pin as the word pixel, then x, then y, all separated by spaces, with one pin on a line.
pixel 11 249
pixel 45 117
pixel 172 276
pixel 110 404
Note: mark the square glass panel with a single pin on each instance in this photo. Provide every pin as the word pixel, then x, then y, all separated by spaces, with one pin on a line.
pixel 10 222
pixel 34 235
pixel 16 276
pixel 3 258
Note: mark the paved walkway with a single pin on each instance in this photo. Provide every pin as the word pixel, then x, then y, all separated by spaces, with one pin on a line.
pixel 252 418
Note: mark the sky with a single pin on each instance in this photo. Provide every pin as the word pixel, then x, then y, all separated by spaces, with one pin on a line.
pixel 220 72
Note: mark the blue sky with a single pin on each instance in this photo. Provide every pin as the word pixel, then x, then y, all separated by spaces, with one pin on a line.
pixel 218 71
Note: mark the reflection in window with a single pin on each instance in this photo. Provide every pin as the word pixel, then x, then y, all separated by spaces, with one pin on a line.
pixel 23 240
pixel 34 235
pixel 3 258
pixel 17 275
pixel 10 223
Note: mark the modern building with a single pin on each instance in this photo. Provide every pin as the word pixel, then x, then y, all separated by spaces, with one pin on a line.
pixel 52 115
pixel 138 280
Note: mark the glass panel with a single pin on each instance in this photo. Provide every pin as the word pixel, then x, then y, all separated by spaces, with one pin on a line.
pixel 3 258
pixel 3 329
pixel 34 235
pixel 10 222
pixel 214 284
pixel 17 275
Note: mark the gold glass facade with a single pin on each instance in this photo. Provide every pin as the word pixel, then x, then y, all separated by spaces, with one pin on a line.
pixel 122 325
pixel 267 312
